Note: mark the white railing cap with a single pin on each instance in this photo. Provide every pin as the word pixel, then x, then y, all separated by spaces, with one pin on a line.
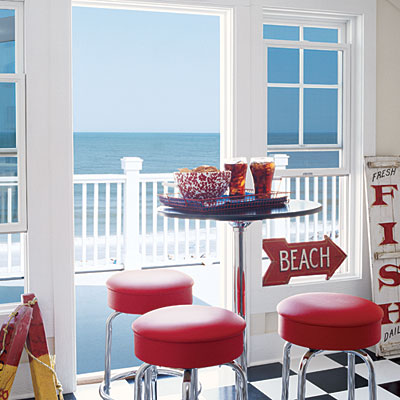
pixel 131 163
pixel 99 178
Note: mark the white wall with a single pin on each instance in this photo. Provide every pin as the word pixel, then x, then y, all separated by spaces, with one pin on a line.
pixel 388 77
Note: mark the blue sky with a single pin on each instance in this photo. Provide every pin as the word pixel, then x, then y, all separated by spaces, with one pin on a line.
pixel 139 71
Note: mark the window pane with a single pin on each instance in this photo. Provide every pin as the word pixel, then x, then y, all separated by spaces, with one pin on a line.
pixel 281 32
pixel 8 190
pixel 311 159
pixel 325 35
pixel 7 116
pixel 11 267
pixel 283 115
pixel 7 41
pixel 320 116
pixel 283 65
pixel 321 67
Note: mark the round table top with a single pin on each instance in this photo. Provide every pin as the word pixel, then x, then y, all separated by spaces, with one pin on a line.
pixel 295 208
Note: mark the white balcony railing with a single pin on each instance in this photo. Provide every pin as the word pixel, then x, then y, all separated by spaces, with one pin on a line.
pixel 12 245
pixel 99 226
pixel 118 228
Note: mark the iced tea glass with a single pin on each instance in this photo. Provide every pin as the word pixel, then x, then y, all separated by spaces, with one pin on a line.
pixel 262 169
pixel 238 168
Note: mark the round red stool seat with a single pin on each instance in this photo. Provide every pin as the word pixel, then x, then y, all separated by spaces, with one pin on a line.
pixel 137 292
pixel 188 336
pixel 329 321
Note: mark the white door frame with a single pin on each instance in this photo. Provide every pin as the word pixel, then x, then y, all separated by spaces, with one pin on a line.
pixel 50 261
pixel 233 15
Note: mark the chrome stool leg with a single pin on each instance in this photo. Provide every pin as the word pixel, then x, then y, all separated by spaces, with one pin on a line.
pixel 140 374
pixel 301 383
pixel 150 383
pixel 195 383
pixel 187 393
pixel 240 381
pixel 105 386
pixel 351 384
pixel 286 371
pixel 153 384
pixel 371 373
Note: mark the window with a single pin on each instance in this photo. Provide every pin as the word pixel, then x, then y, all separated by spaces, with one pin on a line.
pixel 306 87
pixel 13 223
pixel 307 108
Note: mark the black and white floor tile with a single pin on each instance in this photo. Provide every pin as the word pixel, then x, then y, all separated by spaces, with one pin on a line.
pixel 326 379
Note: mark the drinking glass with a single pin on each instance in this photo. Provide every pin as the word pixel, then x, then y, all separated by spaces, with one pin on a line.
pixel 262 169
pixel 238 168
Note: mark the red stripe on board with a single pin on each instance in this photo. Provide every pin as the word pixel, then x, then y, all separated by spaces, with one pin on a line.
pixel 36 340
pixel 15 337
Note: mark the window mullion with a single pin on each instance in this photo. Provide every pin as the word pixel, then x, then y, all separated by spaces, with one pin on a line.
pixel 291 44
pixel 12 78
pixel 340 99
pixel 304 147
pixel 301 91
pixel 21 148
pixel 19 39
pixel 305 85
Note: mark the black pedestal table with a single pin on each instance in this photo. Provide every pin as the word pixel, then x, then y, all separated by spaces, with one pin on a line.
pixel 240 220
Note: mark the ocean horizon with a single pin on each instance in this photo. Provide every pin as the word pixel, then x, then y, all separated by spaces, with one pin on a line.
pixel 101 152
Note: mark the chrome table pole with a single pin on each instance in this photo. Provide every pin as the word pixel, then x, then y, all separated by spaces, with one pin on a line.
pixel 239 286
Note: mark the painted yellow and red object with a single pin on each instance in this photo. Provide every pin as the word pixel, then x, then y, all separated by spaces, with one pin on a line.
pixel 13 335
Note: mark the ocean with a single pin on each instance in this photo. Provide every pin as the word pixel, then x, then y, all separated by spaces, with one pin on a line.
pixel 101 152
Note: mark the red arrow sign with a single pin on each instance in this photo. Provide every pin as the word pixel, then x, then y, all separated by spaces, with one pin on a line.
pixel 300 259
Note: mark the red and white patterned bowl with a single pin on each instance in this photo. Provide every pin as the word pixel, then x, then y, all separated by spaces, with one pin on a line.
pixel 202 185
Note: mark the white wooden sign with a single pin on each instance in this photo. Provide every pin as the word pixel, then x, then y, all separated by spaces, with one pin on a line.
pixel 383 197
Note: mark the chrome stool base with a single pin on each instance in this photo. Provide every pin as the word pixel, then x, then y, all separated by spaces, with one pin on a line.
pixel 190 385
pixel 151 377
pixel 301 380
pixel 132 374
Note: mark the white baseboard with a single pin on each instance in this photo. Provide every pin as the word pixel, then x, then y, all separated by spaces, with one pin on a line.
pixel 267 348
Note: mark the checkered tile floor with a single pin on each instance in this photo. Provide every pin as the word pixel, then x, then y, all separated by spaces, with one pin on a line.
pixel 326 379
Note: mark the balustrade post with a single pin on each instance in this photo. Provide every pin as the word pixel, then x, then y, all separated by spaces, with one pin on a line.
pixel 132 167
pixel 281 161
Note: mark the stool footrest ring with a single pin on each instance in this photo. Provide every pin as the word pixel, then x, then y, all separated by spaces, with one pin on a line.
pixel 132 374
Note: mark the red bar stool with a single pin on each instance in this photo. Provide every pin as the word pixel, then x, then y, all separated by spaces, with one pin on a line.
pixel 329 321
pixel 189 337
pixel 137 292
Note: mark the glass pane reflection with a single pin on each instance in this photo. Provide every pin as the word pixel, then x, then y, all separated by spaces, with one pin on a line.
pixel 323 35
pixel 7 41
pixel 283 115
pixel 321 67
pixel 320 116
pixel 283 65
pixel 311 159
pixel 7 115
pixel 8 189
pixel 281 32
